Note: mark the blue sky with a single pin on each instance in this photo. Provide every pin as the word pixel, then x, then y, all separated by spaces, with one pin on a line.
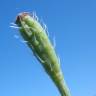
pixel 73 23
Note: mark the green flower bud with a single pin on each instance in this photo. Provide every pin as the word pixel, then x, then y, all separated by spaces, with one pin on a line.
pixel 37 39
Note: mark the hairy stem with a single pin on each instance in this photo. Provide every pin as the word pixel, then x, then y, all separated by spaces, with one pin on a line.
pixel 37 39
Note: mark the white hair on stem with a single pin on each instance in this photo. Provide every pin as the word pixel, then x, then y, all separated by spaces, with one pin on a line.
pixel 39 58
pixel 35 16
pixel 20 39
pixel 13 25
pixel 23 41
pixel 45 28
pixel 59 60
pixel 16 36
pixel 54 42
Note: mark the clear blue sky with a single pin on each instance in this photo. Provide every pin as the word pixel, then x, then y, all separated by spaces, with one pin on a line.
pixel 73 23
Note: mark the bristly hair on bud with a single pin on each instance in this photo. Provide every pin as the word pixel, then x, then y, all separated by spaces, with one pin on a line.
pixel 37 39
